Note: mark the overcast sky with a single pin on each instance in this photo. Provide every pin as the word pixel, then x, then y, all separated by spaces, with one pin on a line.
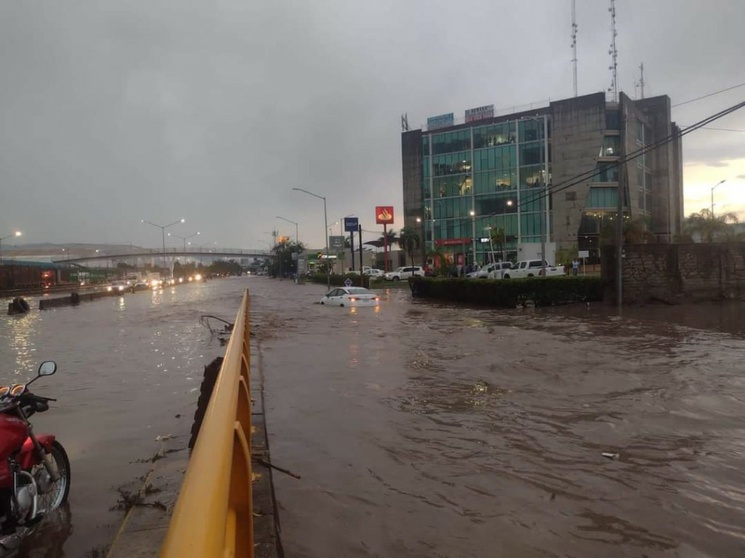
pixel 116 111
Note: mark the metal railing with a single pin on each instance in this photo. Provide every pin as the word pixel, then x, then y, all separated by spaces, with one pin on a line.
pixel 214 512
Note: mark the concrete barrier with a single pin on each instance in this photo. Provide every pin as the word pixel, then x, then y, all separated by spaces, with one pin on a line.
pixel 74 299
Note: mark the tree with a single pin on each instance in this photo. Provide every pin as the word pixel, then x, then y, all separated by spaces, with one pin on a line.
pixel 284 264
pixel 707 227
pixel 409 242
pixel 498 238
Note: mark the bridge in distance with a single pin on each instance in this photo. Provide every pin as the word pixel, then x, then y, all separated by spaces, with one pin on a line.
pixel 214 254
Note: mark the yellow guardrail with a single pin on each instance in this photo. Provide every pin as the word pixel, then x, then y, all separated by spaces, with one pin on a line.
pixel 214 512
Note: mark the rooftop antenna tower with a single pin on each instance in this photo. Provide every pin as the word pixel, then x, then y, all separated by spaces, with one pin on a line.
pixel 574 46
pixel 404 122
pixel 613 52
pixel 641 79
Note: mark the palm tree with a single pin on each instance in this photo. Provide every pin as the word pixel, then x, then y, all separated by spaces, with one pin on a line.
pixel 498 237
pixel 390 238
pixel 708 227
pixel 409 242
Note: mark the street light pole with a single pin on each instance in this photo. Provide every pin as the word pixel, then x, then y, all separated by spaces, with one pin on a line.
pixel 712 195
pixel 507 204
pixel 15 233
pixel 325 231
pixel 294 223
pixel 473 235
pixel 163 234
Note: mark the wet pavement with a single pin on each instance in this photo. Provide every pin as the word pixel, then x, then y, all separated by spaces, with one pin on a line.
pixel 419 429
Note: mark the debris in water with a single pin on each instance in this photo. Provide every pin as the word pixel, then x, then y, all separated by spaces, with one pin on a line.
pixel 611 455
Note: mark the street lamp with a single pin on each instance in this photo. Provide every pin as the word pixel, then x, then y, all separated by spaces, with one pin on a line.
pixel 294 223
pixel 507 204
pixel 712 196
pixel 163 234
pixel 185 238
pixel 325 231
pixel 15 233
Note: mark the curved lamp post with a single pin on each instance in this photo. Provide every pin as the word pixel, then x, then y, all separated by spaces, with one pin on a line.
pixel 15 233
pixel 712 195
pixel 163 234
pixel 325 231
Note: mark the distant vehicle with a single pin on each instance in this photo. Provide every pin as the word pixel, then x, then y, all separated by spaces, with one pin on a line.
pixel 374 272
pixel 404 273
pixel 350 296
pixel 531 268
pixel 486 271
pixel 117 286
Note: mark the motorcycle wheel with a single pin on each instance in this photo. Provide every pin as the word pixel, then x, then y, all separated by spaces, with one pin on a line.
pixel 57 492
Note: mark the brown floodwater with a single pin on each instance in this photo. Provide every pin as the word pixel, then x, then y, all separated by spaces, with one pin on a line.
pixel 419 429
pixel 424 429
pixel 129 370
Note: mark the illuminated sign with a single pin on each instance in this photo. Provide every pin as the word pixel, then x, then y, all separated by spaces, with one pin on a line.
pixel 441 121
pixel 479 113
pixel 384 214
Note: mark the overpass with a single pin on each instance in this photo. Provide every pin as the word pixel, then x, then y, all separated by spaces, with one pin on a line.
pixel 174 253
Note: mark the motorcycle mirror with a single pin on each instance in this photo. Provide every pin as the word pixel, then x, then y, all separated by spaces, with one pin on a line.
pixel 47 368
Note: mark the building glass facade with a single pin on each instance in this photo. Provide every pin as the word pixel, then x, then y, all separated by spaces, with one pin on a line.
pixel 485 178
pixel 484 190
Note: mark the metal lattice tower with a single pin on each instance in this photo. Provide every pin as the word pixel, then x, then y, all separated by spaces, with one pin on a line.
pixel 613 52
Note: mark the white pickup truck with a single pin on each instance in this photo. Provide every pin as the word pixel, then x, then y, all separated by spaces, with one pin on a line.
pixel 531 268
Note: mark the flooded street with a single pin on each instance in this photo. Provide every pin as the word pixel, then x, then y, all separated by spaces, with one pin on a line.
pixel 129 370
pixel 419 429
pixel 429 430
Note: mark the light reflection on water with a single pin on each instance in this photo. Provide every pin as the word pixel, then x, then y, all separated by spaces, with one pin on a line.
pixel 129 369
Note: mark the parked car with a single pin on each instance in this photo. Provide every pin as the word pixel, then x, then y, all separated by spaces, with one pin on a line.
pixel 486 271
pixel 350 296
pixel 404 273
pixel 374 272
pixel 532 268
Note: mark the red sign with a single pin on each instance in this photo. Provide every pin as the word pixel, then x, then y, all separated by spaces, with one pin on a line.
pixel 384 214
pixel 452 241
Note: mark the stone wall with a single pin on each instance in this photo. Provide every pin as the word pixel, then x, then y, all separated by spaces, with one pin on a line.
pixel 676 272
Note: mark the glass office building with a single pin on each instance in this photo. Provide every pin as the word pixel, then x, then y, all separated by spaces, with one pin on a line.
pixel 515 185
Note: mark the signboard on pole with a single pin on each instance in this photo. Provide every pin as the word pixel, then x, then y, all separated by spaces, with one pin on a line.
pixel 351 224
pixel 441 121
pixel 480 113
pixel 336 242
pixel 384 214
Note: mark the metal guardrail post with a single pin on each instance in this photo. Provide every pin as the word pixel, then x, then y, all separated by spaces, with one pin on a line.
pixel 213 516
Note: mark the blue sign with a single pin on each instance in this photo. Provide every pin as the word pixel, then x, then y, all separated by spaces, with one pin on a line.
pixel 348 282
pixel 441 121
pixel 351 224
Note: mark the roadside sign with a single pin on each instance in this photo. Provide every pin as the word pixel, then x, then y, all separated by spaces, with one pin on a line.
pixel 583 254
pixel 347 282
pixel 351 224
pixel 336 242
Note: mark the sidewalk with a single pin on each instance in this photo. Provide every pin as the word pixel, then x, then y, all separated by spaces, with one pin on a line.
pixel 145 523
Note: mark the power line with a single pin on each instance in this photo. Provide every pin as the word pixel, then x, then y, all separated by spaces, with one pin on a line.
pixel 589 175
pixel 709 95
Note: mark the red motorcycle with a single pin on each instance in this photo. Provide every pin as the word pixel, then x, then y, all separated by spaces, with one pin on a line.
pixel 34 470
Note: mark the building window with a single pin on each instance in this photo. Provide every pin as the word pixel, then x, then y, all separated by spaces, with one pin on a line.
pixel 612 120
pixel 608 172
pixel 602 198
pixel 451 142
pixel 611 147
pixel 494 135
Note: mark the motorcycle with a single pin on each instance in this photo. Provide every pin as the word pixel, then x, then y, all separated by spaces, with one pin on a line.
pixel 34 470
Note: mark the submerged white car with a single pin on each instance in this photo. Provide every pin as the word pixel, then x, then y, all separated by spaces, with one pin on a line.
pixel 350 296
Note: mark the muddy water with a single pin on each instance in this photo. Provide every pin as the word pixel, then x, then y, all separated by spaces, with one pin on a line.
pixel 428 430
pixel 418 429
pixel 129 370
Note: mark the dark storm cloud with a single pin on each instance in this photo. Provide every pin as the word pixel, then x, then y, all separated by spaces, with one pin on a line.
pixel 115 112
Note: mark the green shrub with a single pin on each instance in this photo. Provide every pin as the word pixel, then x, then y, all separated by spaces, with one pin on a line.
pixel 338 280
pixel 510 293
